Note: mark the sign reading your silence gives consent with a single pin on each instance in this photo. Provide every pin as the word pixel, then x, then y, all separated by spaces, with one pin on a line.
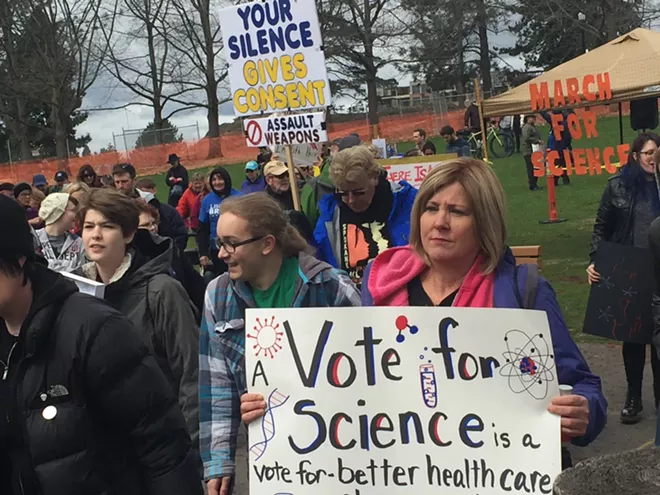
pixel 275 55
pixel 402 401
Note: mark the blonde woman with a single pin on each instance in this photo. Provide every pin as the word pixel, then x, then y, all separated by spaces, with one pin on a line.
pixel 458 257
pixel 268 267
pixel 366 215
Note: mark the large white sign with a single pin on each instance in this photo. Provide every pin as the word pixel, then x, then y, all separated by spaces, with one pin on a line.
pixel 413 173
pixel 275 56
pixel 422 401
pixel 303 154
pixel 288 129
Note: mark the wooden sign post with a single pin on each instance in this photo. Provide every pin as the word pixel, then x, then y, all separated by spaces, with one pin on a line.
pixel 292 177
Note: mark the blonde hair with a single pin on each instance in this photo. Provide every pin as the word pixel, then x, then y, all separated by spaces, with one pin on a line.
pixel 487 201
pixel 37 196
pixel 353 165
pixel 76 187
pixel 265 217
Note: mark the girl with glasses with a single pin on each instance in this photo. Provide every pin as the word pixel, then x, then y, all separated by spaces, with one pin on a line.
pixel 268 267
pixel 629 204
pixel 87 175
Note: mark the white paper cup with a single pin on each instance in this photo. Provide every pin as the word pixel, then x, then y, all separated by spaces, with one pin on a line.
pixel 565 390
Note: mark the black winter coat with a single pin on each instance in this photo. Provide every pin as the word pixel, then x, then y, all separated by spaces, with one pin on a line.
pixel 118 429
pixel 171 223
pixel 614 219
pixel 147 293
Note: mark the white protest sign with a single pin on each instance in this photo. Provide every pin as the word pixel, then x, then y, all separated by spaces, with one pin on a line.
pixel 303 154
pixel 288 129
pixel 86 286
pixel 422 401
pixel 275 56
pixel 413 173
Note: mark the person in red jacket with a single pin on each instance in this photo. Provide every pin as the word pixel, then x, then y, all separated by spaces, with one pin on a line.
pixel 191 202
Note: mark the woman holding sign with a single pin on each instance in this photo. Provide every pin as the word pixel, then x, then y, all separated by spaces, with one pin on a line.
pixel 457 257
pixel 268 267
pixel 629 204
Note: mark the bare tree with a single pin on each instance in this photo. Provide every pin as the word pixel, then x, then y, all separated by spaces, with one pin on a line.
pixel 140 55
pixel 195 36
pixel 51 58
pixel 360 37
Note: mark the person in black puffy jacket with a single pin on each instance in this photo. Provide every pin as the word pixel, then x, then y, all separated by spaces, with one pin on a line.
pixel 84 408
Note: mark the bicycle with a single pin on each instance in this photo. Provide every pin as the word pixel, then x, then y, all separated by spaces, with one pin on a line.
pixel 500 144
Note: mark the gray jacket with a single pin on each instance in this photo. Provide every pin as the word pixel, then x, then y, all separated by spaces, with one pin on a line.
pixel 70 258
pixel 144 290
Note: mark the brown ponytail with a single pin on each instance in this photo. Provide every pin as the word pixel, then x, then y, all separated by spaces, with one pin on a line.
pixel 265 217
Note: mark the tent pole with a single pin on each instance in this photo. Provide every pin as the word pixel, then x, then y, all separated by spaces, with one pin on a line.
pixel 620 124
pixel 484 131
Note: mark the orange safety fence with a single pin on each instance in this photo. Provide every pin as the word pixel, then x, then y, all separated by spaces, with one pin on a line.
pixel 199 154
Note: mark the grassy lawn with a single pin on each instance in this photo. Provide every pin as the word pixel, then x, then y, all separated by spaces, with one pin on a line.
pixel 565 245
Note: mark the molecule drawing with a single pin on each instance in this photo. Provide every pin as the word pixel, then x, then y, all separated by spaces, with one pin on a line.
pixel 267 337
pixel 275 399
pixel 401 324
pixel 529 364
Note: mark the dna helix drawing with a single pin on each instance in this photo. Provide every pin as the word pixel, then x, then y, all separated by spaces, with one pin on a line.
pixel 275 399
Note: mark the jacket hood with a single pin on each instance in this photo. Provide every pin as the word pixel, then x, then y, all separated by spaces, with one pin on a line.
pixel 222 172
pixel 392 269
pixel 49 289
pixel 148 255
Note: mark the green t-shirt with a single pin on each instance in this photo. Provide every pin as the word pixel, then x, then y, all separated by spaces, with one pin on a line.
pixel 280 294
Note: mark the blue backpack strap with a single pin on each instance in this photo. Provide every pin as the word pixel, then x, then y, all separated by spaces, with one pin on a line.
pixel 527 298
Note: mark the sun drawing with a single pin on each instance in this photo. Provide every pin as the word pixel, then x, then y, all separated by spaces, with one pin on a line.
pixel 267 337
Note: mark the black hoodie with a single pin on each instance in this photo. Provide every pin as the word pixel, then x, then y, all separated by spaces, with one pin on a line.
pixel 91 412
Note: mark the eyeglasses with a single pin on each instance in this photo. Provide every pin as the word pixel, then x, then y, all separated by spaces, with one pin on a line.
pixel 648 153
pixel 88 176
pixel 357 192
pixel 231 247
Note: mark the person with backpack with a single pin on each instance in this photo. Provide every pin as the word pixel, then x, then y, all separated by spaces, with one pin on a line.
pixel 269 267
pixel 84 407
pixel 457 257
pixel 135 268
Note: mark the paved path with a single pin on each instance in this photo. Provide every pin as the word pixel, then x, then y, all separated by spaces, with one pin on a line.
pixel 606 361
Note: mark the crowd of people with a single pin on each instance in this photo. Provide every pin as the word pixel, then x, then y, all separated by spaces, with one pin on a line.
pixel 144 390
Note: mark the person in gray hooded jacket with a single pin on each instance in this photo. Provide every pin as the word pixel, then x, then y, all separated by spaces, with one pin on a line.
pixel 63 250
pixel 135 266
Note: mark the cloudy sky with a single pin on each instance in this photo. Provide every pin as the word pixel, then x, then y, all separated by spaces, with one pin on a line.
pixel 106 127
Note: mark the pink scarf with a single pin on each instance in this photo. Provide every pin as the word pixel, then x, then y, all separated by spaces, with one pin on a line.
pixel 394 268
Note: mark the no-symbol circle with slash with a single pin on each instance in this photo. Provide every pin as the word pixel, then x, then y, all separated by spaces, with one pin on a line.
pixel 254 133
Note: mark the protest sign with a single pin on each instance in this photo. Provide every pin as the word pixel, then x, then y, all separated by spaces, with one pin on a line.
pixel 569 93
pixel 414 169
pixel 619 306
pixel 85 285
pixel 303 154
pixel 275 56
pixel 288 129
pixel 402 400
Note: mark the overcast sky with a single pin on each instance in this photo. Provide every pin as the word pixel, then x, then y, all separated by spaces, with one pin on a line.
pixel 107 93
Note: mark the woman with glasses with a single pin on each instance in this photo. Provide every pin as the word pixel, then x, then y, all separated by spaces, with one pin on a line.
pixel 268 267
pixel 629 204
pixel 366 215
pixel 87 175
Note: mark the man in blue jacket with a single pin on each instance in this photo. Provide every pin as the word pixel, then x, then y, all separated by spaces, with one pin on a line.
pixel 366 215
pixel 454 144
pixel 254 182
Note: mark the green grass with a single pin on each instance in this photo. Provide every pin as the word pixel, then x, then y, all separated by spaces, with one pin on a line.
pixel 565 245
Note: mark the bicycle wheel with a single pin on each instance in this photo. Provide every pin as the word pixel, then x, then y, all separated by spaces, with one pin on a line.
pixel 501 145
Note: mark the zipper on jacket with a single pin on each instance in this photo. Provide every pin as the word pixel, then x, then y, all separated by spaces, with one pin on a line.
pixel 6 365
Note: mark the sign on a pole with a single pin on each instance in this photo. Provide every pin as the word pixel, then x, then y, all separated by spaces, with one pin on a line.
pixel 275 56
pixel 402 401
pixel 288 129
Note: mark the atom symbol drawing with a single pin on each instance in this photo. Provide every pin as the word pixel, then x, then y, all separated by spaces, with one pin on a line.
pixel 606 282
pixel 630 292
pixel 267 337
pixel 529 364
